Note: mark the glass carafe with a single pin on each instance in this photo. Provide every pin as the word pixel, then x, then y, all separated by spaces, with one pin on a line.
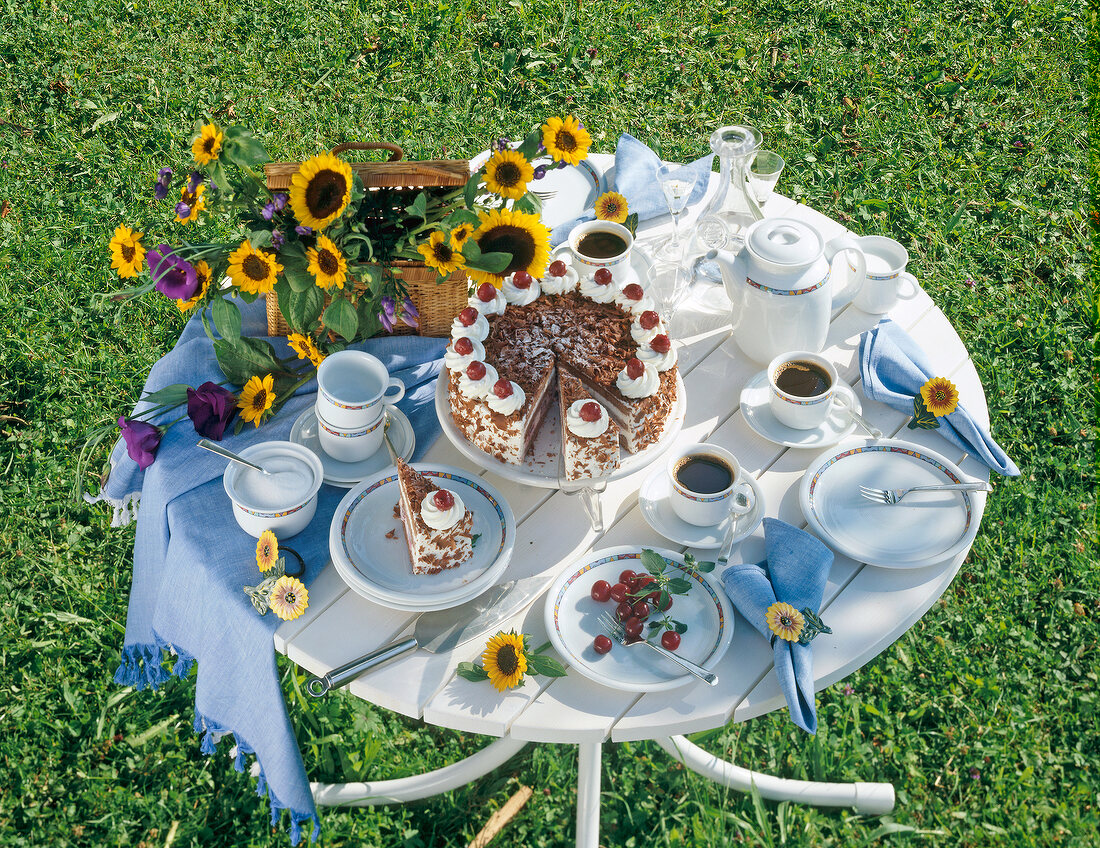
pixel 730 212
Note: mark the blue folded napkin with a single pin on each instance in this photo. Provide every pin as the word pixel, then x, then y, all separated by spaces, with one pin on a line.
pixel 636 180
pixel 191 561
pixel 795 572
pixel 894 367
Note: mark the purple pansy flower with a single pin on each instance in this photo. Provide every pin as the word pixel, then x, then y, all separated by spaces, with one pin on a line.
pixel 142 440
pixel 277 239
pixel 160 191
pixel 211 408
pixel 183 210
pixel 175 277
pixel 303 231
pixel 164 177
pixel 280 199
pixel 502 143
pixel 540 172
pixel 268 211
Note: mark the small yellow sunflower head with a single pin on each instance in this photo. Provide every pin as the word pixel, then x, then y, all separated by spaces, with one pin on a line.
pixel 305 347
pixel 440 255
pixel 320 191
pixel 940 396
pixel 505 660
pixel 267 551
pixel 785 621
pixel 507 173
pixel 289 598
pixel 127 252
pixel 192 203
pixel 202 272
pixel 253 271
pixel 256 398
pixel 611 206
pixel 565 139
pixel 208 145
pixel 327 264
pixel 459 235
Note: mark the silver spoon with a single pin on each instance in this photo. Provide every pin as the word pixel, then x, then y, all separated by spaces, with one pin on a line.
pixel 228 454
pixel 740 501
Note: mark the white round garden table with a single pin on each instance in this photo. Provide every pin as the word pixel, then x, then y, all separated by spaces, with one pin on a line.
pixel 868 607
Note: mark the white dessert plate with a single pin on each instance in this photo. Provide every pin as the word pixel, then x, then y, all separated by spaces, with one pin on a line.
pixel 347 474
pixel 541 464
pixel 923 529
pixel 565 192
pixel 572 622
pixel 659 514
pixel 376 565
pixel 756 407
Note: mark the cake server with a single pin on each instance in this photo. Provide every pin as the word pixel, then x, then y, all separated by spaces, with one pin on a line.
pixel 442 630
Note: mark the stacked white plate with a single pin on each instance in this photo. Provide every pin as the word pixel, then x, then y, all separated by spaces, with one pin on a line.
pixel 367 542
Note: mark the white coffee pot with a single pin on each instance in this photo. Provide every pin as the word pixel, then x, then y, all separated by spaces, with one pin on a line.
pixel 782 284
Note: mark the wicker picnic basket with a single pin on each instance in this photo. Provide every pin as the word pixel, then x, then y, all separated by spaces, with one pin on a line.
pixel 437 304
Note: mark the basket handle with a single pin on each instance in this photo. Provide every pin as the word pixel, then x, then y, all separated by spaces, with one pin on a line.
pixel 395 151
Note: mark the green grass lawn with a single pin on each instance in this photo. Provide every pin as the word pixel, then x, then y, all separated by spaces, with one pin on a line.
pixel 959 129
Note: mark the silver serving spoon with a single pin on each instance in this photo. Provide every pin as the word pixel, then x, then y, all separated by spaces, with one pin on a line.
pixel 228 454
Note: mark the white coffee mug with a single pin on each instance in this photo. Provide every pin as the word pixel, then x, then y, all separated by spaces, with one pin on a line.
pixel 802 412
pixel 350 445
pixel 352 386
pixel 886 261
pixel 707 508
pixel 587 265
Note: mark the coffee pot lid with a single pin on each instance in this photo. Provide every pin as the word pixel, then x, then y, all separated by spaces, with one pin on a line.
pixel 785 241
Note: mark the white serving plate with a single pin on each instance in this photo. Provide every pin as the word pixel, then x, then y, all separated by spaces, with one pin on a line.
pixel 923 529
pixel 378 567
pixel 347 474
pixel 572 623
pixel 757 411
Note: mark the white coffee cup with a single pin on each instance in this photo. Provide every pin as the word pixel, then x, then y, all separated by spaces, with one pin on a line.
pixel 586 265
pixel 803 412
pixel 352 387
pixel 706 508
pixel 350 445
pixel 886 259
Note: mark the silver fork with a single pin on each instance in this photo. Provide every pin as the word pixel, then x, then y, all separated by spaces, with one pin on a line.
pixel 892 496
pixel 618 633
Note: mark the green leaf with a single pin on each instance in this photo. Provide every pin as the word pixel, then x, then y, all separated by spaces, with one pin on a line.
pixel 470 671
pixel 259 238
pixel 227 318
pixel 243 149
pixel 296 273
pixel 530 144
pixel 679 586
pixel 244 358
pixel 217 174
pixel 174 395
pixel 529 203
pixel 679 627
pixel 340 317
pixel 472 185
pixel 546 666
pixel 302 309
pixel 419 207
pixel 367 312
pixel 654 563
pixel 923 419
pixel 705 567
pixel 493 263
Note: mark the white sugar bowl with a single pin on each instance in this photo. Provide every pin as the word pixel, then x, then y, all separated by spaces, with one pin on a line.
pixel 283 501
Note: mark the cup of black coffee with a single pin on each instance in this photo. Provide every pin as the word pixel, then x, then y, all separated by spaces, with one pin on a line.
pixel 704 481
pixel 601 244
pixel 802 388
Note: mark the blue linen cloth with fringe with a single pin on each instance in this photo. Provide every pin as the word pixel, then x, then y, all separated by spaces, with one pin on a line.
pixel 636 180
pixel 795 572
pixel 893 368
pixel 191 561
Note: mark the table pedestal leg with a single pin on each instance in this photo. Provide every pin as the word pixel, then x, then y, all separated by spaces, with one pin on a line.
pixel 422 785
pixel 588 794
pixel 872 799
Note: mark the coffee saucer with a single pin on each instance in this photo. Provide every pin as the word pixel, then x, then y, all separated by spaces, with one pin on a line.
pixel 756 407
pixel 348 474
pixel 658 513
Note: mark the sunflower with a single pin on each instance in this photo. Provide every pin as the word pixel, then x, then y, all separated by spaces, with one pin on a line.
pixel 305 347
pixel 202 271
pixel 522 235
pixel 267 550
pixel 289 598
pixel 327 264
pixel 504 660
pixel 441 256
pixel 611 206
pixel 459 235
pixel 257 396
pixel 507 173
pixel 940 396
pixel 127 252
pixel 320 191
pixel 208 145
pixel 194 201
pixel 566 140
pixel 784 621
pixel 254 271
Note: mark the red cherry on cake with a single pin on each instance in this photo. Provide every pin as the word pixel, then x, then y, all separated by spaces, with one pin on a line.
pixel 486 293
pixel 463 346
pixel 660 343
pixel 590 411
pixel 443 499
pixel 468 316
pixel 602 277
pixel 558 268
pixel 502 388
pixel 522 280
pixel 475 370
pixel 649 319
pixel 633 292
pixel 634 368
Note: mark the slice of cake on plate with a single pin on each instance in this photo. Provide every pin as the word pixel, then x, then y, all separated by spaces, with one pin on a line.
pixel 589 438
pixel 438 527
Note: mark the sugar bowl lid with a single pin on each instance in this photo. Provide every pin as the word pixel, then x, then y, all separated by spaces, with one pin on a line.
pixel 785 241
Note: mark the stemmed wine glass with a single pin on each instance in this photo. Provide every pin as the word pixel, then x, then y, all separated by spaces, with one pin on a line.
pixel 677 183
